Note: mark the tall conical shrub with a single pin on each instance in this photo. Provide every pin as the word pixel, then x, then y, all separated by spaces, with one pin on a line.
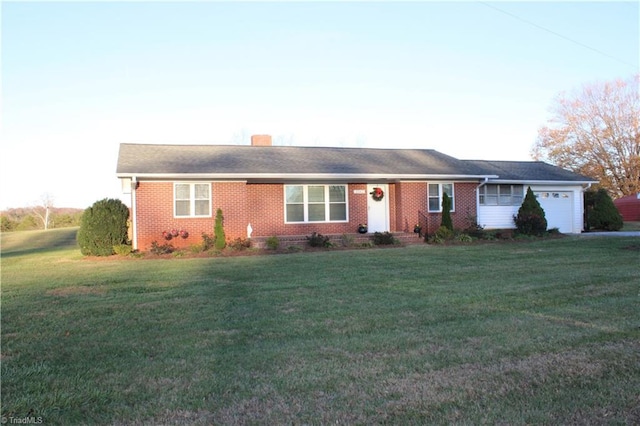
pixel 446 212
pixel 103 225
pixel 530 219
pixel 219 236
pixel 601 212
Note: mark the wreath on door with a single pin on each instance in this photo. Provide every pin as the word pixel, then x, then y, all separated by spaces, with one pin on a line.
pixel 377 194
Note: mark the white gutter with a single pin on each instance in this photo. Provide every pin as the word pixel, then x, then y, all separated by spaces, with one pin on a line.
pixel 544 182
pixel 484 182
pixel 301 176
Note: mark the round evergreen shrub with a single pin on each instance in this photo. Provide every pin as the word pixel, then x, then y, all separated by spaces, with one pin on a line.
pixel 601 212
pixel 103 226
pixel 530 219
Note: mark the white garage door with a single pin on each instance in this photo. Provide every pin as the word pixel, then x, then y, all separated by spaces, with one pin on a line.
pixel 558 209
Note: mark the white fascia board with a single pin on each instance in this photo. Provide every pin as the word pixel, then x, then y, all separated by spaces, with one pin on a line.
pixel 543 182
pixel 297 176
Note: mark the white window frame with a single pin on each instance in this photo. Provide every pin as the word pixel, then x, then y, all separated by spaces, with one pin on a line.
pixel 327 203
pixel 192 200
pixel 439 196
pixel 513 201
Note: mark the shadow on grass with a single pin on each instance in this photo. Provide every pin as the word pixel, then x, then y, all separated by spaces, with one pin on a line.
pixel 31 242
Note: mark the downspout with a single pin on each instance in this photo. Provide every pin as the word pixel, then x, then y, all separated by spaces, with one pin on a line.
pixel 482 184
pixel 134 220
pixel 486 179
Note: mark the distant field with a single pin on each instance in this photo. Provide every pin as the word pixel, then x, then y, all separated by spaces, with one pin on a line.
pixel 27 242
pixel 538 332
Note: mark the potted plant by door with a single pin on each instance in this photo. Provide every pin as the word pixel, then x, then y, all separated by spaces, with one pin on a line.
pixel 362 228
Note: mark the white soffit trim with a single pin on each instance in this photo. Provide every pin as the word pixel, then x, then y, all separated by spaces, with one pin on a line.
pixel 299 176
pixel 542 182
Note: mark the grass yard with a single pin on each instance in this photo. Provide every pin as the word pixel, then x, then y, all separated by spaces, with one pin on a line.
pixel 631 226
pixel 542 332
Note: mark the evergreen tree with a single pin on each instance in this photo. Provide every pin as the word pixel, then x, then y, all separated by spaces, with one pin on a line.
pixel 446 212
pixel 530 219
pixel 220 239
pixel 601 212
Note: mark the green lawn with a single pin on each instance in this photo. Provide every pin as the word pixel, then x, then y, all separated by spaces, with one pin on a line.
pixel 542 332
pixel 631 226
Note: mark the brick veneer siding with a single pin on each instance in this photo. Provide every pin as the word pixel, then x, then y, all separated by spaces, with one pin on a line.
pixel 266 207
pixel 411 200
pixel 465 206
pixel 262 206
pixel 154 214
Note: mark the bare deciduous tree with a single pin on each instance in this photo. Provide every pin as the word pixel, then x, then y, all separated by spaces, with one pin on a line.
pixel 595 132
pixel 43 210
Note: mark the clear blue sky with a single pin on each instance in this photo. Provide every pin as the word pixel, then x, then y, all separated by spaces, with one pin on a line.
pixel 464 78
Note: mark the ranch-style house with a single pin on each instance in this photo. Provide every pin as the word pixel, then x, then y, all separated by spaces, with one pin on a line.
pixel 265 190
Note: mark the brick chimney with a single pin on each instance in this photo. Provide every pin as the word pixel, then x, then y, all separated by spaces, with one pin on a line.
pixel 261 140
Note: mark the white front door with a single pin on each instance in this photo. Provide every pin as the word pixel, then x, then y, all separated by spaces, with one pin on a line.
pixel 378 211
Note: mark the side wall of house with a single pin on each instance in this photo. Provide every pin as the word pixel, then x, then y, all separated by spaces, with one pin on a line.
pixel 154 214
pixel 465 207
pixel 262 207
pixel 411 205
pixel 266 211
pixel 568 219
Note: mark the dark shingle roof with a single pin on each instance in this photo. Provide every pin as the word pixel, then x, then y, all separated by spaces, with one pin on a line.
pixel 528 171
pixel 286 161
pixel 138 159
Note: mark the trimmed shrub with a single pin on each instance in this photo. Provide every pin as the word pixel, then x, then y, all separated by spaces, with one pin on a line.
pixel 530 219
pixel 161 248
pixel 208 241
pixel 383 238
pixel 441 235
pixel 464 238
pixel 240 244
pixel 122 249
pixel 446 212
pixel 318 240
pixel 272 243
pixel 220 238
pixel 601 212
pixel 103 226
pixel 347 240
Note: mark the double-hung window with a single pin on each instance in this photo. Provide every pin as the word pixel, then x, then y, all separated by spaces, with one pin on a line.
pixel 500 195
pixel 315 203
pixel 191 199
pixel 436 191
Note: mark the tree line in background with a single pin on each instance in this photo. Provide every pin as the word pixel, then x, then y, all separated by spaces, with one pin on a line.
pixel 33 218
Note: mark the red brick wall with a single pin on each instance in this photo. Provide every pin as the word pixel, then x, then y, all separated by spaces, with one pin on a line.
pixel 465 205
pixel 262 206
pixel 411 199
pixel 155 214
pixel 266 210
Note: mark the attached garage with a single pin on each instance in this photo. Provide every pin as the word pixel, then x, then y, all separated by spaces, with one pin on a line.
pixel 558 208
